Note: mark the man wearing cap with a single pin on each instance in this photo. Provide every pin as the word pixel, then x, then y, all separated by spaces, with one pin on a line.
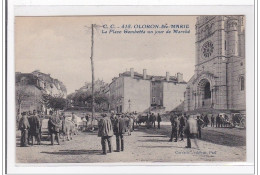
pixel 105 132
pixel 119 130
pixel 24 127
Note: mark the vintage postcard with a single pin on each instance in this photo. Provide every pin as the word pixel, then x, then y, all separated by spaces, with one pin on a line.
pixel 110 89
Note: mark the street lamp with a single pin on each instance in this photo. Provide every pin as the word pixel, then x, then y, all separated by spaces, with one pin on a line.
pixel 129 101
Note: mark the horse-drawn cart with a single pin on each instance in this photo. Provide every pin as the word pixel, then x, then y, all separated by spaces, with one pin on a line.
pixel 239 120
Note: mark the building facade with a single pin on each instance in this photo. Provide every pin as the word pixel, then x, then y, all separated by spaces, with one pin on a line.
pixel 219 79
pixel 129 92
pixel 132 91
pixel 31 86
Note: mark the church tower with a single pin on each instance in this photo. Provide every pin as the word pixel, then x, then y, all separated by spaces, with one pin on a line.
pixel 219 65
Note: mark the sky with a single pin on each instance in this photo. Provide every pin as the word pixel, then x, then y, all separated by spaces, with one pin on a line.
pixel 61 46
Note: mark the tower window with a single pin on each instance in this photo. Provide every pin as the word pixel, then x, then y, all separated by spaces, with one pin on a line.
pixel 242 83
pixel 225 45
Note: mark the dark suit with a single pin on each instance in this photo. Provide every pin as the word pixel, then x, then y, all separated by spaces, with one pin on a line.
pixel 159 119
pixel 35 129
pixel 212 121
pixel 181 128
pixel 54 125
pixel 175 128
pixel 119 130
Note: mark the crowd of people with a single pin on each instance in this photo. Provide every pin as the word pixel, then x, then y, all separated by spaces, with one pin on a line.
pixel 30 125
pixel 119 124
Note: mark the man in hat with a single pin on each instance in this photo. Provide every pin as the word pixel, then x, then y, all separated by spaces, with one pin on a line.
pixel 175 127
pixel 181 127
pixel 159 119
pixel 212 118
pixel 119 130
pixel 54 125
pixel 153 119
pixel 35 128
pixel 24 127
pixel 105 132
pixel 200 123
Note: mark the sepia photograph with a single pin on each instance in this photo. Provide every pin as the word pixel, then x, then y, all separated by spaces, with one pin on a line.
pixel 131 89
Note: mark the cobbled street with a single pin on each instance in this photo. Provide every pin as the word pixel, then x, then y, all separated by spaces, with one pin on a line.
pixel 144 145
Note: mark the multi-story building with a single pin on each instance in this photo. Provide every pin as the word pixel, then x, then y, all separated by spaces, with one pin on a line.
pixel 129 92
pixel 219 79
pixel 132 91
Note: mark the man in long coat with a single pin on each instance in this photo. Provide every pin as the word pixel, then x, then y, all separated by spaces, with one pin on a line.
pixel 212 118
pixel 24 127
pixel 105 132
pixel 159 119
pixel 191 129
pixel 175 128
pixel 35 128
pixel 181 127
pixel 153 119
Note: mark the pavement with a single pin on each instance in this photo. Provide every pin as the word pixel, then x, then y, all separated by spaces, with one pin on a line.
pixel 144 145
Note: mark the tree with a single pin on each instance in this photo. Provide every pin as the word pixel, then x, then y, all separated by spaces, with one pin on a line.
pixel 54 102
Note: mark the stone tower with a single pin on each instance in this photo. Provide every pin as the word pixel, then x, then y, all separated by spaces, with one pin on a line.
pixel 219 77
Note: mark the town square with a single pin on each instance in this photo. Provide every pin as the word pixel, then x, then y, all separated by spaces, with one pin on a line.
pixel 93 93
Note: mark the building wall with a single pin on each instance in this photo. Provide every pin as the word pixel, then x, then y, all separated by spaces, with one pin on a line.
pixel 173 95
pixel 116 94
pixel 138 92
pixel 32 101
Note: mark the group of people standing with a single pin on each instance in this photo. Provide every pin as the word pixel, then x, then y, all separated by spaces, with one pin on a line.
pixel 185 124
pixel 116 125
pixel 30 127
pixel 152 119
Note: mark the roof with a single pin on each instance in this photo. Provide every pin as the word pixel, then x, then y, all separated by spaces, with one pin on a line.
pixel 150 77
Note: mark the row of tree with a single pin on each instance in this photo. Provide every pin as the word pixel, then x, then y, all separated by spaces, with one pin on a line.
pixel 84 99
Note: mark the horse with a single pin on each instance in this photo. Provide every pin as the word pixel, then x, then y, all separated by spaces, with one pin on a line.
pixel 68 129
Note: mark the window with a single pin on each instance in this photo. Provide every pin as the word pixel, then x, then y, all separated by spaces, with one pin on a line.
pixel 225 45
pixel 242 83
pixel 153 99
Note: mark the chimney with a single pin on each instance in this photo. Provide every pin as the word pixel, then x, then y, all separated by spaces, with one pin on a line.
pixel 167 76
pixel 179 77
pixel 144 74
pixel 132 72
